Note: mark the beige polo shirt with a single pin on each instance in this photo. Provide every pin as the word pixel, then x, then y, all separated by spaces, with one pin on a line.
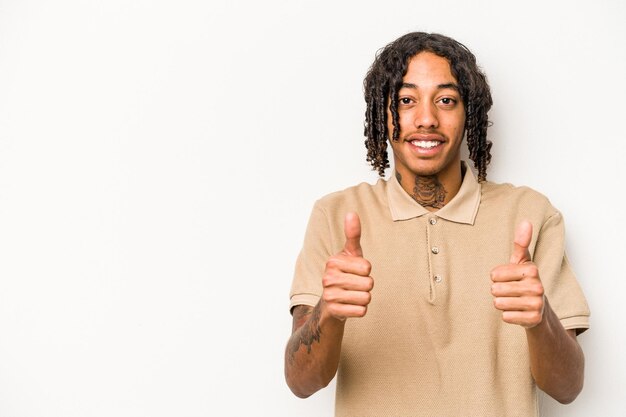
pixel 432 343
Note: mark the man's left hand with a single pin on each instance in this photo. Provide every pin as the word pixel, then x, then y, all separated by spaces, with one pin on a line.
pixel 516 287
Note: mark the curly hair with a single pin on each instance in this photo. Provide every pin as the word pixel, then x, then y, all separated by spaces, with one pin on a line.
pixel 384 80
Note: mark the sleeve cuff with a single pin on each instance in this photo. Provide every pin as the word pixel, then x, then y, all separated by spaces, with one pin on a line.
pixel 580 323
pixel 303 299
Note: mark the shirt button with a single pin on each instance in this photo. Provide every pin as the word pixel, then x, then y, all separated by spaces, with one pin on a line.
pixel 438 279
pixel 435 250
pixel 432 221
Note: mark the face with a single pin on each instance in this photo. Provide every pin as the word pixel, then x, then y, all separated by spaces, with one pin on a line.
pixel 431 119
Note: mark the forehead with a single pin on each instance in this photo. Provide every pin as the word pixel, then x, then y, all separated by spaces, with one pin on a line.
pixel 427 68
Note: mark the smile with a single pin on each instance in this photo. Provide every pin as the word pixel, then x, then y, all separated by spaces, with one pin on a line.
pixel 425 144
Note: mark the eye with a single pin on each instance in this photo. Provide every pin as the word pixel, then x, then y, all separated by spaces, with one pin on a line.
pixel 448 102
pixel 405 100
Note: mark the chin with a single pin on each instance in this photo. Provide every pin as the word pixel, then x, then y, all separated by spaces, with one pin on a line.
pixel 426 171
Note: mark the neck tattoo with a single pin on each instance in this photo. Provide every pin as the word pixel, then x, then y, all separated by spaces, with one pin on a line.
pixel 429 192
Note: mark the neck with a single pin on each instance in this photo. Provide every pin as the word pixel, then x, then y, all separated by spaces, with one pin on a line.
pixel 432 191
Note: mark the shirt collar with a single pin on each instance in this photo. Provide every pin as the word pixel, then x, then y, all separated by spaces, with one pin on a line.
pixel 461 209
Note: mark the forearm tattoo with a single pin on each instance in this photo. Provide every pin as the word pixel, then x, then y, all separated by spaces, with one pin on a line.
pixel 429 192
pixel 308 333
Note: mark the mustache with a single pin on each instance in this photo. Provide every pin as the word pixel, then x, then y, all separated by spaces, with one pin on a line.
pixel 431 134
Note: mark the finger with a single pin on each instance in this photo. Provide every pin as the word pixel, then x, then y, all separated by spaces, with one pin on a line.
pixel 358 298
pixel 518 303
pixel 526 319
pixel 523 235
pixel 349 282
pixel 352 230
pixel 349 264
pixel 514 272
pixel 343 311
pixel 515 289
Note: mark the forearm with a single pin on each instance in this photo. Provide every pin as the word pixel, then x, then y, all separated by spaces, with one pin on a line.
pixel 556 359
pixel 312 353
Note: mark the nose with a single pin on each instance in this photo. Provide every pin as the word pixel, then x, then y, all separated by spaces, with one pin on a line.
pixel 426 116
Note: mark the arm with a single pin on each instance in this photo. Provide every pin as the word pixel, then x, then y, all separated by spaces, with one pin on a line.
pixel 313 350
pixel 312 353
pixel 556 359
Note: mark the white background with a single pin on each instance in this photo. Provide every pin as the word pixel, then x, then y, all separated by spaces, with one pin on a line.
pixel 159 160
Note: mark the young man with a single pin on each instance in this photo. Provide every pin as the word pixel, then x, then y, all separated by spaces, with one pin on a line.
pixel 434 292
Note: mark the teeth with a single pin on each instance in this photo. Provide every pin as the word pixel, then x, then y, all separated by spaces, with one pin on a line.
pixel 425 143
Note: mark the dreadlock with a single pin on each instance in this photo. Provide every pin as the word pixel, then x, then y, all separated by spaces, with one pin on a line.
pixel 384 80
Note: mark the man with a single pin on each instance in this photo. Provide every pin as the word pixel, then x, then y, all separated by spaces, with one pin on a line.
pixel 434 292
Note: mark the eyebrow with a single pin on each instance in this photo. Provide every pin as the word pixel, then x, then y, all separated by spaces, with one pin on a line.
pixel 439 87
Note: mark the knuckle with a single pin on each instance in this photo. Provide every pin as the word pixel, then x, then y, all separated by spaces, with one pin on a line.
pixel 367 266
pixel 493 274
pixel 369 284
pixel 332 262
pixel 328 280
pixel 367 298
pixel 532 271
pixel 536 304
pixel 535 317
pixel 330 296
pixel 537 289
pixel 507 317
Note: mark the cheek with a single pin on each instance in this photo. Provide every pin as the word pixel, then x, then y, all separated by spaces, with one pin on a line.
pixel 405 120
pixel 455 125
pixel 394 147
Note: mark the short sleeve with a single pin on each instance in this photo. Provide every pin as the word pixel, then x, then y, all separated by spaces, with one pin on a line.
pixel 561 287
pixel 306 288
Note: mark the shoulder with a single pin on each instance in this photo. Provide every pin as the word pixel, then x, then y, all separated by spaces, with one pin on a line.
pixel 369 201
pixel 522 199
pixel 356 197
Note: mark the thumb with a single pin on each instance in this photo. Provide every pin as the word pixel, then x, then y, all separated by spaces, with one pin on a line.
pixel 523 235
pixel 352 230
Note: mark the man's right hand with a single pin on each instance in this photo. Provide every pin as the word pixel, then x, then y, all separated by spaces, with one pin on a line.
pixel 346 280
pixel 312 354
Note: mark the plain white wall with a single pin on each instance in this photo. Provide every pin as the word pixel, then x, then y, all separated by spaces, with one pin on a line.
pixel 159 160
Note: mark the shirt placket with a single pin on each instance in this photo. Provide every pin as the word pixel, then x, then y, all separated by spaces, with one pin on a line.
pixel 433 250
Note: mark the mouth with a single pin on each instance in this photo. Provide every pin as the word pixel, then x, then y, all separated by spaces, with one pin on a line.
pixel 425 142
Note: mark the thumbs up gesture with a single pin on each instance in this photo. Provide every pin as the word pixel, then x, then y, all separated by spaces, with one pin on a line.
pixel 516 287
pixel 346 282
